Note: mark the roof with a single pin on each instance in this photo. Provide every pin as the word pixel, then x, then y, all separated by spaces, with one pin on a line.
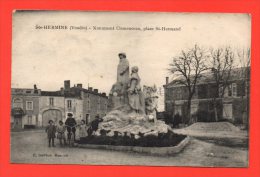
pixel 236 74
pixel 51 93
pixel 74 92
pixel 95 93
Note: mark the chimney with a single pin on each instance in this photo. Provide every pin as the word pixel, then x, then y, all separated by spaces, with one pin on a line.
pixel 167 80
pixel 96 90
pixel 79 85
pixel 90 88
pixel 66 85
pixel 35 89
pixel 62 90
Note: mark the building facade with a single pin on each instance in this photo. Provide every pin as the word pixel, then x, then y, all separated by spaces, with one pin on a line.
pixel 94 104
pixel 232 106
pixel 25 107
pixel 51 107
pixel 32 108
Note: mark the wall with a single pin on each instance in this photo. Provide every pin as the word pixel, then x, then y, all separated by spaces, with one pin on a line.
pixel 44 104
pixel 76 108
pixel 204 94
pixel 33 114
pixel 93 106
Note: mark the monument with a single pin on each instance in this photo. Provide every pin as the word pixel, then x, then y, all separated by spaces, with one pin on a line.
pixel 132 111
pixel 118 92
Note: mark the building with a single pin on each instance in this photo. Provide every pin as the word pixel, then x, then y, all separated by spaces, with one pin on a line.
pixel 233 106
pixel 25 107
pixel 51 106
pixel 94 104
pixel 33 108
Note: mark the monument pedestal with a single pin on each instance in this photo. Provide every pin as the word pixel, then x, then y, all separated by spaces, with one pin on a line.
pixel 121 123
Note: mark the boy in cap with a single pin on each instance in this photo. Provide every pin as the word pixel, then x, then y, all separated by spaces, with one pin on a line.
pixel 51 130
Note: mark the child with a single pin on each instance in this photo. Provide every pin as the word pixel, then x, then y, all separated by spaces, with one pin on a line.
pixel 71 126
pixel 61 133
pixel 83 129
pixel 51 130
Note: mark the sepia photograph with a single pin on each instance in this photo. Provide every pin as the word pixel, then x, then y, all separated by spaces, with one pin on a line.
pixel 130 88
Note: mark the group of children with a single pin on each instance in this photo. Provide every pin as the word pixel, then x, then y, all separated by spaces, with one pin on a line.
pixel 59 130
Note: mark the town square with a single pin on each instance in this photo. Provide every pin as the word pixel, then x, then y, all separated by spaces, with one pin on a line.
pixel 149 98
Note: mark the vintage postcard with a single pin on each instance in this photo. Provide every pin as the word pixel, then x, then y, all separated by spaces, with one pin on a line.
pixel 130 88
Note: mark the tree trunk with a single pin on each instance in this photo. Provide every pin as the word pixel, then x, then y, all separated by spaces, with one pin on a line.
pixel 215 109
pixel 188 111
pixel 215 112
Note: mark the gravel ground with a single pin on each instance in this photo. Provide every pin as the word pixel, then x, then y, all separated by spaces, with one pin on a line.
pixel 213 130
pixel 31 147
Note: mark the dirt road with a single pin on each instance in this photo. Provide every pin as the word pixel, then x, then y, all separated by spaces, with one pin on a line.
pixel 31 147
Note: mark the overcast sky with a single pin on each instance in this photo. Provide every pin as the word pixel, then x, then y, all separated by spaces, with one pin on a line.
pixel 48 57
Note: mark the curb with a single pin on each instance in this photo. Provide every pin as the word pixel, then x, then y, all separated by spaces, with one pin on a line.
pixel 138 149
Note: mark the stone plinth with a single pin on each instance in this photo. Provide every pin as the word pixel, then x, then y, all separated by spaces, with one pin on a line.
pixel 130 124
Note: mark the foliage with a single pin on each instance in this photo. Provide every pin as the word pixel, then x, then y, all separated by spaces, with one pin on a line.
pixel 163 140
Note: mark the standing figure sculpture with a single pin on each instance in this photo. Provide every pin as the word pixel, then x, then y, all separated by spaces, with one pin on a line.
pixel 135 94
pixel 118 93
pixel 151 102
pixel 123 69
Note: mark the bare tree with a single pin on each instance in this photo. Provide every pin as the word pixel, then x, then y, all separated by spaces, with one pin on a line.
pixel 189 66
pixel 244 57
pixel 221 65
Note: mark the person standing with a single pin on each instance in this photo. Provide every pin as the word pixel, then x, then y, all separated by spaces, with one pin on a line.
pixel 71 126
pixel 51 130
pixel 83 129
pixel 61 133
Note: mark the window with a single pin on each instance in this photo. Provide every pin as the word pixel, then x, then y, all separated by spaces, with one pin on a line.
pixel 51 101
pixel 194 109
pixel 69 104
pixel 88 104
pixel 178 94
pixel 28 91
pixel 30 120
pixel 178 109
pixel 247 89
pixel 17 103
pixel 105 107
pixel 99 105
pixel 29 105
pixel 229 90
pixel 36 120
pixel 220 91
pixel 234 89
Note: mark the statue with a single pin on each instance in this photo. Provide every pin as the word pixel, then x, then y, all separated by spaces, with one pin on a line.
pixel 123 69
pixel 118 92
pixel 135 94
pixel 151 102
pixel 130 110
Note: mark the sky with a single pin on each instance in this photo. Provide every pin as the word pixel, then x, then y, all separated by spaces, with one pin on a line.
pixel 90 57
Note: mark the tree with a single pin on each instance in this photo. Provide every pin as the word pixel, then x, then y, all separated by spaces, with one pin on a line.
pixel 221 65
pixel 189 67
pixel 244 57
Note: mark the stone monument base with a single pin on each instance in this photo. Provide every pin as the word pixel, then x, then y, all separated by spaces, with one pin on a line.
pixel 132 124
